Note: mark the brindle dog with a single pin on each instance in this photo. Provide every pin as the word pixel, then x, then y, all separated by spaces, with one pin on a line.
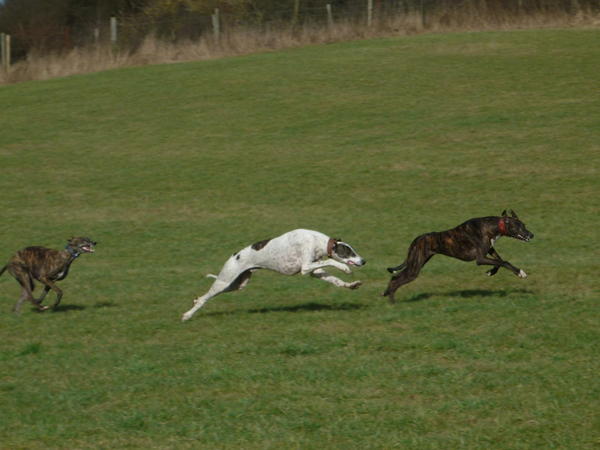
pixel 47 266
pixel 472 240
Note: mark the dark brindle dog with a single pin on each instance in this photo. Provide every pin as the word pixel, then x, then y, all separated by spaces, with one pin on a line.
pixel 47 266
pixel 472 240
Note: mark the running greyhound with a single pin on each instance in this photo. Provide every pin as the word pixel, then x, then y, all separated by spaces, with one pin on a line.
pixel 472 240
pixel 46 266
pixel 297 251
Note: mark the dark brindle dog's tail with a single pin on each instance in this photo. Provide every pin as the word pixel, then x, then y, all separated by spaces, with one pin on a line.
pixel 3 269
pixel 397 268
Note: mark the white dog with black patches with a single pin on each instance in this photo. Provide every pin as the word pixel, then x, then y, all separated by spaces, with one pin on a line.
pixel 297 251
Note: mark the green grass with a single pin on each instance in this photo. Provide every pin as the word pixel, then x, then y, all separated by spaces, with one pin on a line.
pixel 172 168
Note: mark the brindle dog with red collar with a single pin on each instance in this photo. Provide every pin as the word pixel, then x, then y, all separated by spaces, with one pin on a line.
pixel 470 241
pixel 46 266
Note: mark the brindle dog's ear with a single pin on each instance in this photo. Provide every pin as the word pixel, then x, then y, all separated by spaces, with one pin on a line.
pixel 503 213
pixel 513 214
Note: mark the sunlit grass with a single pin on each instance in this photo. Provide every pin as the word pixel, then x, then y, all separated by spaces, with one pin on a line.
pixel 173 168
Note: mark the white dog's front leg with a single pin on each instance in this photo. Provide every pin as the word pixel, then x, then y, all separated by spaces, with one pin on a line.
pixel 322 275
pixel 311 267
pixel 198 303
pixel 217 288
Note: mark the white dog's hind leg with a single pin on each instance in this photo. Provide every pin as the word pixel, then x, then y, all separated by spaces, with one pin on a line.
pixel 322 275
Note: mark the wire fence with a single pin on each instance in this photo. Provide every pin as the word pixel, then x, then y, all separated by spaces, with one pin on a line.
pixel 128 32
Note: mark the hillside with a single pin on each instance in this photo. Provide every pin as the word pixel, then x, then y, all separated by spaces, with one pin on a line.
pixel 172 168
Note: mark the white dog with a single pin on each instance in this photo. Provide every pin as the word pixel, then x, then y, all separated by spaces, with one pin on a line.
pixel 297 251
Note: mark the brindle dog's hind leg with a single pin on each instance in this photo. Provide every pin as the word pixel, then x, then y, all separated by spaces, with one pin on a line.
pixel 418 255
pixel 24 296
pixel 27 287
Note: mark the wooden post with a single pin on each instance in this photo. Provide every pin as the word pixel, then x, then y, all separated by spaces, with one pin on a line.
pixel 329 15
pixel 113 30
pixel 296 12
pixel 216 23
pixel 369 13
pixel 575 7
pixel 2 51
pixel 7 38
pixel 423 14
pixel 5 51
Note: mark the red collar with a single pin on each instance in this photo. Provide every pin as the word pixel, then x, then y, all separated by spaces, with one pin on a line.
pixel 330 245
pixel 502 226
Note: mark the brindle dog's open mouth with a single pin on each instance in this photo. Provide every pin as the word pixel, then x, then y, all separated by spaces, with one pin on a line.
pixel 87 248
pixel 523 238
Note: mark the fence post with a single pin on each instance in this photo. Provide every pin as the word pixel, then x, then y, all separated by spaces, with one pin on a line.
pixel 329 15
pixel 216 23
pixel 423 14
pixel 296 12
pixel 369 13
pixel 113 30
pixel 5 51
pixel 2 51
pixel 575 7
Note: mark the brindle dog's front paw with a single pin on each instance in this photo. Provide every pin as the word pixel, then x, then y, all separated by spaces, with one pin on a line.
pixel 522 274
pixel 492 272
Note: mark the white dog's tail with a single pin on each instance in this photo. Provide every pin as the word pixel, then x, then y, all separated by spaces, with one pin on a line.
pixel 210 275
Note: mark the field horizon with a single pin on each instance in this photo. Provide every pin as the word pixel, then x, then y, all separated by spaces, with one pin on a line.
pixel 173 168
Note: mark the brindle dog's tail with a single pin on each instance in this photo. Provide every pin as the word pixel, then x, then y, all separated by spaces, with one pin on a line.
pixel 3 269
pixel 397 268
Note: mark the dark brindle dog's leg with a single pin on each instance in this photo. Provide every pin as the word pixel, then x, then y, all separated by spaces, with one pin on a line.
pixel 27 286
pixel 497 263
pixel 43 296
pixel 49 284
pixel 492 251
pixel 419 254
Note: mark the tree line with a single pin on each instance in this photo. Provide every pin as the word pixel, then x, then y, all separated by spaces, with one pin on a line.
pixel 50 25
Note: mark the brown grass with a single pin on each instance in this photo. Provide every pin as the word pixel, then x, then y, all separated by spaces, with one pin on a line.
pixel 243 40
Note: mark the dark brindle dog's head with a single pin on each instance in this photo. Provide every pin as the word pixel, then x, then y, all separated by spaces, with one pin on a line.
pixel 79 245
pixel 513 227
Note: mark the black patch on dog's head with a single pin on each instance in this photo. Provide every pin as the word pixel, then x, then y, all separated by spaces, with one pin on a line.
pixel 343 250
pixel 259 245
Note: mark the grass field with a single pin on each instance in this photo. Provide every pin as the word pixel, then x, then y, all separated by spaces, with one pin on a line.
pixel 172 168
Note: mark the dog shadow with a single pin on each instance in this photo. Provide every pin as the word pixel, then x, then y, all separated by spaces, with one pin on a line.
pixel 304 307
pixel 66 308
pixel 312 306
pixel 469 293
pixel 73 307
